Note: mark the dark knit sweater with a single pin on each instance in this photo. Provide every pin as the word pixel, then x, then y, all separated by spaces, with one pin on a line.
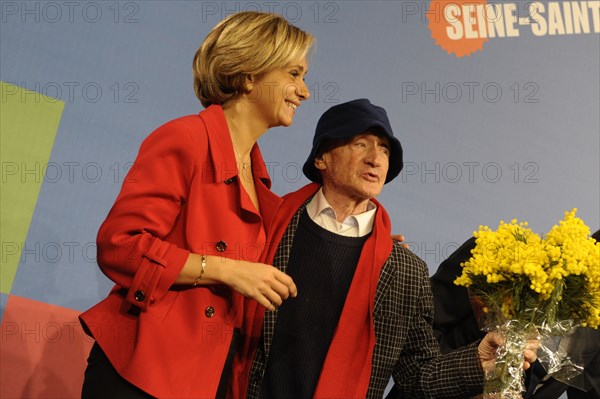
pixel 322 265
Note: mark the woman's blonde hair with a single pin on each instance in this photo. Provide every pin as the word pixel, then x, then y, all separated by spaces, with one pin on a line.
pixel 244 45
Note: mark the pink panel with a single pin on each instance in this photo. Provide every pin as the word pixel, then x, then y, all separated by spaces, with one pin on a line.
pixel 43 351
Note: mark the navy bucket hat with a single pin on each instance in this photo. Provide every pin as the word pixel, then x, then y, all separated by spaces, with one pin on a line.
pixel 344 121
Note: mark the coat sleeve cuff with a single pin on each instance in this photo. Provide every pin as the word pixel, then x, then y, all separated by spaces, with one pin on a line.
pixel 471 370
pixel 161 264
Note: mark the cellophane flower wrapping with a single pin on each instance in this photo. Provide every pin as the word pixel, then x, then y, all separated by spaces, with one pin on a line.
pixel 534 291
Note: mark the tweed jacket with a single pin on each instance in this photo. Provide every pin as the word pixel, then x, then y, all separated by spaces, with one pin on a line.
pixel 405 347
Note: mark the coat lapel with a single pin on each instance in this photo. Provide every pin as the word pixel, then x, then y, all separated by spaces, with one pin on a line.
pixel 280 261
pixel 386 279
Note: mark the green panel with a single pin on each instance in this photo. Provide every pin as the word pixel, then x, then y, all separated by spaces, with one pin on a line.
pixel 28 125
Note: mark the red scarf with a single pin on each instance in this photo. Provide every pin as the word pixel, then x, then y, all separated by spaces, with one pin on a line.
pixel 347 368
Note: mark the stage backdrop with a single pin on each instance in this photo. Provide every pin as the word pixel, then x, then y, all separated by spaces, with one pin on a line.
pixel 496 106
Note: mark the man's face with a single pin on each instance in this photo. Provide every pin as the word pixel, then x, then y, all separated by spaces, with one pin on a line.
pixel 357 169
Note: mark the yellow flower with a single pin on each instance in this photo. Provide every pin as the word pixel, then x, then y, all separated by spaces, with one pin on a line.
pixel 558 275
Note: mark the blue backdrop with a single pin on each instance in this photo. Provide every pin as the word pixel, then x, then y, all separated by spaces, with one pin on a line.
pixel 494 126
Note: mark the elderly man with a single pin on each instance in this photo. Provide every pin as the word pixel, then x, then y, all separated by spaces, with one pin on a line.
pixel 364 307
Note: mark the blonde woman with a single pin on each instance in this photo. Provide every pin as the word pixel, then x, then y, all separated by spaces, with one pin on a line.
pixel 183 239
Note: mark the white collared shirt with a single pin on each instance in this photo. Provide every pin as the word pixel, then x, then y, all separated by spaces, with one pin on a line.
pixel 321 212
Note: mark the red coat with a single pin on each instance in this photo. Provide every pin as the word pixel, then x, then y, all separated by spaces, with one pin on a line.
pixel 181 195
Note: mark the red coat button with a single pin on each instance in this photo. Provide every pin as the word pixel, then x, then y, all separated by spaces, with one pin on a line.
pixel 221 246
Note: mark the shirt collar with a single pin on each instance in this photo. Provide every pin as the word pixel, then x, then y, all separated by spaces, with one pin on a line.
pixel 363 222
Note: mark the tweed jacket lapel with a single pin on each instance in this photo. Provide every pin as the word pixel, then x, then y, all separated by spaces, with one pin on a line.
pixel 386 279
pixel 280 261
